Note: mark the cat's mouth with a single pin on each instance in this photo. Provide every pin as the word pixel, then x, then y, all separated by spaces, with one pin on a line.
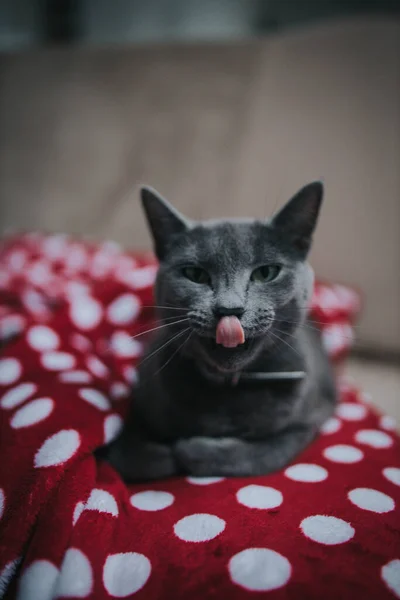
pixel 210 343
pixel 224 359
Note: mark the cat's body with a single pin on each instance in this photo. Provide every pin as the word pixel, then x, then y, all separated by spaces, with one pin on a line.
pixel 192 413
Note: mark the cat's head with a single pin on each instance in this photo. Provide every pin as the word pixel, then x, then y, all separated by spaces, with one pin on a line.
pixel 254 270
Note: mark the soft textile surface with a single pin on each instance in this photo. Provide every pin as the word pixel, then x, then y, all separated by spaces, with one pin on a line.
pixel 326 527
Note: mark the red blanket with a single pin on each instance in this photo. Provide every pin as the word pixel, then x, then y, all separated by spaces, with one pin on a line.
pixel 326 527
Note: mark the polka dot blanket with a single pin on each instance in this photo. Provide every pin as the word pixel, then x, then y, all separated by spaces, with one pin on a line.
pixel 328 526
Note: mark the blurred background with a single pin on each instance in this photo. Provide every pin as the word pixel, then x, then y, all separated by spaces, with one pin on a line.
pixel 227 107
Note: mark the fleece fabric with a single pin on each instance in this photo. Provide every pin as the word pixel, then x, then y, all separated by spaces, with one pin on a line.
pixel 327 526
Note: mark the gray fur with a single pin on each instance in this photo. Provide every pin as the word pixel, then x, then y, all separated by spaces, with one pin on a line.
pixel 186 416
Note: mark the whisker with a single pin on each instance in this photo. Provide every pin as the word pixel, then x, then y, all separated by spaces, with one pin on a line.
pixel 163 319
pixel 305 324
pixel 321 325
pixel 316 322
pixel 285 342
pixel 317 329
pixel 163 346
pixel 173 354
pixel 166 307
pixel 158 327
pixel 168 318
pixel 355 342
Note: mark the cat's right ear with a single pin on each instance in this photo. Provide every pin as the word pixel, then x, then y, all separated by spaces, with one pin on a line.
pixel 163 219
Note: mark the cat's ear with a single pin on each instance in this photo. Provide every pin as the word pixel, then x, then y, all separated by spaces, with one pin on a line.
pixel 298 218
pixel 163 219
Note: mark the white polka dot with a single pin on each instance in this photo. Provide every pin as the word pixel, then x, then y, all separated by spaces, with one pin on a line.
pixel 58 361
pixel 349 411
pixel 123 309
pixel 125 573
pixel 85 312
pixel 388 422
pixel 10 326
pixel 124 266
pixel 332 425
pixel 113 248
pixel 341 453
pixel 392 474
pixel 54 246
pixel 374 438
pixel 259 496
pixel 75 377
pixel 372 500
pixel 259 569
pixel 2 502
pixel 76 578
pixel 17 395
pixel 390 574
pixel 32 413
pixel 103 502
pixel 78 510
pixel 37 581
pixel 95 398
pixel 17 260
pixel 10 370
pixel 58 448
pixel 76 289
pixel 307 473
pixel 97 367
pixel 199 528
pixel 39 274
pixel 119 390
pixel 336 336
pixel 151 500
pixel 327 530
pixel 204 480
pixel 124 345
pixel 101 265
pixel 35 303
pixel 112 426
pixel 7 574
pixel 131 375
pixel 76 259
pixel 42 338
pixel 80 342
pixel 141 277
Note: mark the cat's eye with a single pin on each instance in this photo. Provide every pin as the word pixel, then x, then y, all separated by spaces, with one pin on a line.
pixel 266 273
pixel 196 274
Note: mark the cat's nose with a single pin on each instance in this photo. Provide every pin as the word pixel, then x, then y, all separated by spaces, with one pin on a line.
pixel 228 311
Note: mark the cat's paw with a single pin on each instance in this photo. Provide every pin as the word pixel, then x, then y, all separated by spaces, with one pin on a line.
pixel 143 461
pixel 203 456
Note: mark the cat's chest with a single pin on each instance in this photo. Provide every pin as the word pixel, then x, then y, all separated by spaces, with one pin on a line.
pixel 249 412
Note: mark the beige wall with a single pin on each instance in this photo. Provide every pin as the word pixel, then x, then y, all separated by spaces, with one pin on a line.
pixel 220 130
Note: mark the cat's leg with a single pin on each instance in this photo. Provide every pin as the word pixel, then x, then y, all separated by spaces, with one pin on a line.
pixel 203 456
pixel 138 459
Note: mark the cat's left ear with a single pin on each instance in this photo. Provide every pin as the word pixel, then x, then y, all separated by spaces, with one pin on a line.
pixel 298 218
pixel 163 219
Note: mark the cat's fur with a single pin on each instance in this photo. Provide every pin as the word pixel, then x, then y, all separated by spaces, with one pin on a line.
pixel 186 415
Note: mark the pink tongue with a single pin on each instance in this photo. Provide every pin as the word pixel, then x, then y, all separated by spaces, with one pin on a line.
pixel 229 332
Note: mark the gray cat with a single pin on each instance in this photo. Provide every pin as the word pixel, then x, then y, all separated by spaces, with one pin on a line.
pixel 235 382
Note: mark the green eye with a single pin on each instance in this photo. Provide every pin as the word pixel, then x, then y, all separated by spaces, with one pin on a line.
pixel 197 275
pixel 266 273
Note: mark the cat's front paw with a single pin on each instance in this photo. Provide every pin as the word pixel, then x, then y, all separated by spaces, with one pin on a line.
pixel 203 456
pixel 143 461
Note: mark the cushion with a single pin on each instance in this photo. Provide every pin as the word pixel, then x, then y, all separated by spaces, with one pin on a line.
pixel 326 526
